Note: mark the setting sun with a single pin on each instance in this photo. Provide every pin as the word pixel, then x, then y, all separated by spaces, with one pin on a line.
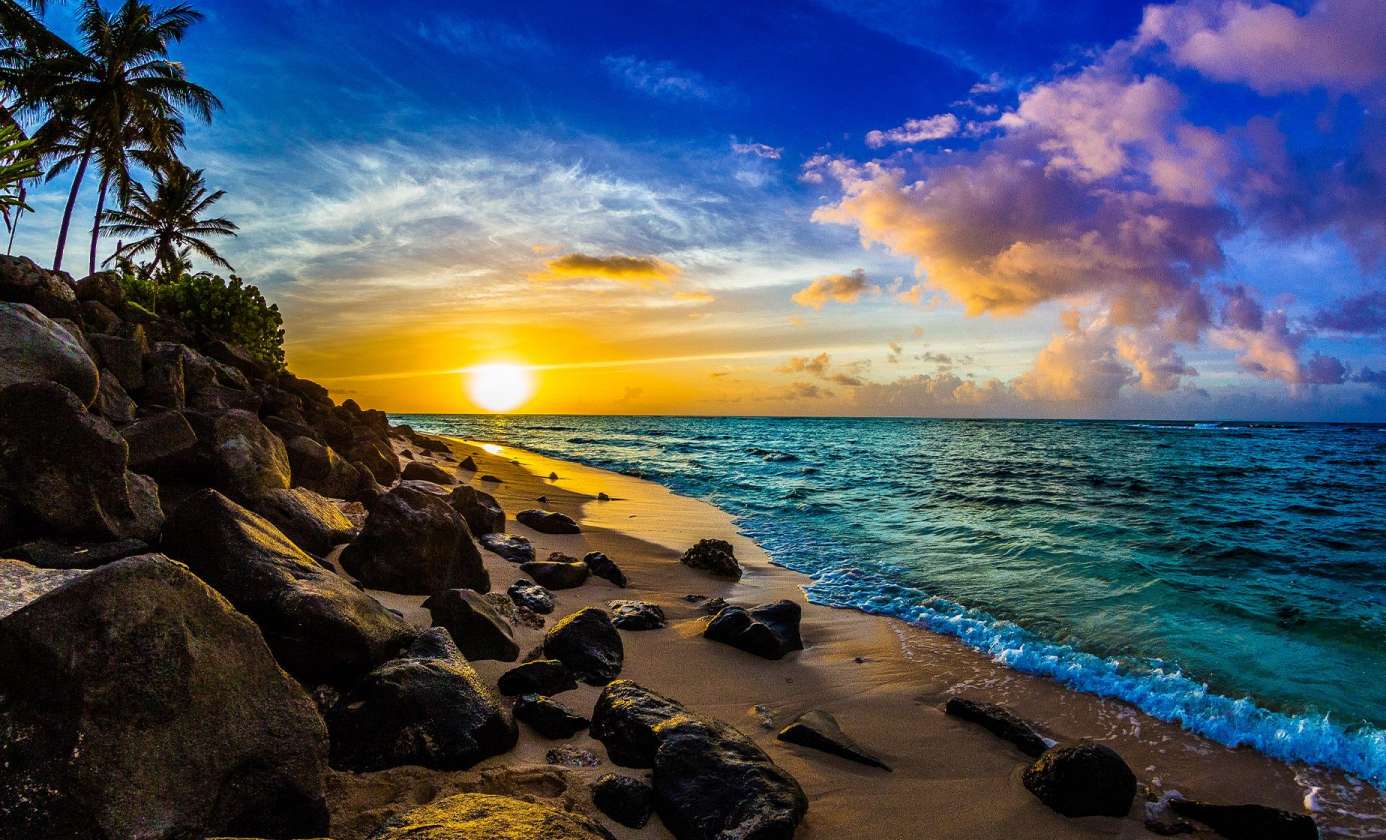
pixel 499 387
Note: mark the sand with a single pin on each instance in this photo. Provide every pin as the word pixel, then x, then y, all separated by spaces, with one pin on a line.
pixel 884 680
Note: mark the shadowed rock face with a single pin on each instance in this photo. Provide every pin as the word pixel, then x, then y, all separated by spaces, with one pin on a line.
pixel 1082 780
pixel 35 349
pixel 548 717
pixel 161 714
pixel 320 627
pixel 819 730
pixel 625 718
pixel 769 630
pixel 320 469
pixel 547 522
pixel 1248 822
pixel 481 510
pixel 415 543
pixel 476 628
pixel 588 644
pixel 250 460
pixel 552 574
pixel 626 800
pixel 420 471
pixel 604 567
pixel 542 676
pixel 479 815
pixel 310 520
pixel 1000 722
pixel 714 557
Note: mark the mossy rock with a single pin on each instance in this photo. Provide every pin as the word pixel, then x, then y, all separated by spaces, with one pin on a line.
pixel 479 816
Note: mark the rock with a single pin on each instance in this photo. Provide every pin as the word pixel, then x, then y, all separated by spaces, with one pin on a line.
pixel 769 630
pixel 636 615
pixel 313 522
pixel 492 478
pixel 67 468
pixel 482 512
pixel 1082 780
pixel 711 783
pixel 164 381
pixel 378 459
pixel 547 522
pixel 548 717
pixel 467 464
pixel 570 756
pixel 103 287
pixel 1000 722
pixel 249 459
pixel 556 575
pixel 531 596
pixel 515 549
pixel 36 349
pixel 161 444
pixel 50 292
pixel 541 676
pixel 321 469
pixel 626 800
pixel 112 402
pixel 625 718
pixel 713 556
pixel 368 491
pixel 238 358
pixel 473 625
pixel 603 567
pixel 588 645
pixel 479 816
pixel 160 715
pixel 420 471
pixel 22 583
pixel 428 708
pixel 320 627
pixel 1248 822
pixel 416 544
pixel 218 398
pixel 97 317
pixel 123 356
pixel 715 605
pixel 819 730
pixel 602 497
pixel 48 554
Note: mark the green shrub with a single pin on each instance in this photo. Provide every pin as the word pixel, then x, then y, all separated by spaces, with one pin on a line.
pixel 215 307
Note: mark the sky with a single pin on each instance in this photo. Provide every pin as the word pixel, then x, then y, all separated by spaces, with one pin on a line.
pixel 1015 208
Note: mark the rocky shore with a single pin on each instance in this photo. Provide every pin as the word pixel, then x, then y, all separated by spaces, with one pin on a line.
pixel 232 607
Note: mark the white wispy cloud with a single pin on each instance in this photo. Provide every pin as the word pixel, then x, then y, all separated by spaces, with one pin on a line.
pixel 662 79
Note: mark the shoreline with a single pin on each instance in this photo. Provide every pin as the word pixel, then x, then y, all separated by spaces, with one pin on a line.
pixel 884 679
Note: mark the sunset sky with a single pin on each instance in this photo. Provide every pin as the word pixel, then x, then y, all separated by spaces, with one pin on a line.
pixel 1001 207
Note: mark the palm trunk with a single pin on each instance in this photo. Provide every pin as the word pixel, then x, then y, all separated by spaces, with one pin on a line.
pixel 19 212
pixel 96 221
pixel 67 214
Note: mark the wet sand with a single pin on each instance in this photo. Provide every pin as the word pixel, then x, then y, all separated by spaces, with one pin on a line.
pixel 884 680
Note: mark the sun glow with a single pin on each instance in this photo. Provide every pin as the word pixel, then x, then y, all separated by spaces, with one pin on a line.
pixel 499 387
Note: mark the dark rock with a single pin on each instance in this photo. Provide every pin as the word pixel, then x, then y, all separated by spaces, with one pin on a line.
pixel 531 596
pixel 50 292
pixel 602 497
pixel 473 624
pixel 1000 722
pixel 428 708
pixel 320 627
pixel 769 630
pixel 480 816
pixel 548 717
pixel 321 469
pixel 112 402
pixel 48 554
pixel 378 458
pixel 22 582
pixel 36 349
pixel 636 615
pixel 219 398
pixel 160 714
pixel 239 358
pixel 603 567
pixel 553 476
pixel 67 468
pixel 547 522
pixel 1248 822
pixel 1082 780
pixel 164 382
pixel 515 549
pixel 249 459
pixel 416 544
pixel 625 718
pixel 492 479
pixel 588 645
pixel 97 317
pixel 541 676
pixel 556 575
pixel 570 756
pixel 626 800
pixel 713 556
pixel 481 510
pixel 467 464
pixel 161 444
pixel 312 521
pixel 711 782
pixel 123 356
pixel 103 287
pixel 715 605
pixel 420 471
pixel 368 491
pixel 819 730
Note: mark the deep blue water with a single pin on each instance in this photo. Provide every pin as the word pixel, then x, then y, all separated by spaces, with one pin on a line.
pixel 1231 577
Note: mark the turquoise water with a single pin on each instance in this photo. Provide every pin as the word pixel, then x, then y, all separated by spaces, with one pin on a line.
pixel 1230 577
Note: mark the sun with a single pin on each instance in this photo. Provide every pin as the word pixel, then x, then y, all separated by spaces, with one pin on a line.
pixel 499 387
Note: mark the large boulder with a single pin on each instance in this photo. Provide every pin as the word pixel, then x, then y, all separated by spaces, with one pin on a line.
pixel 548 717
pixel 140 704
pixel 588 644
pixel 313 522
pixel 320 627
pixel 161 444
pixel 51 554
pixel 1000 722
pixel 547 522
pixel 516 549
pixel 714 557
pixel 102 287
pixel 321 469
pixel 769 630
pixel 627 800
pixel 420 471
pixel 428 708
pixel 122 355
pixel 482 512
pixel 67 468
pixel 36 349
pixel 50 292
pixel 556 574
pixel 481 816
pixel 540 676
pixel 250 460
pixel 21 583
pixel 112 402
pixel 378 458
pixel 1248 822
pixel 415 543
pixel 712 783
pixel 819 730
pixel 1082 780
pixel 164 382
pixel 476 628
pixel 625 718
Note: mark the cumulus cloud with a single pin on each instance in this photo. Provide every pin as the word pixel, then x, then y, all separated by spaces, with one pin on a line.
pixel 822 367
pixel 815 365
pixel 842 288
pixel 1268 346
pixel 759 150
pixel 1367 376
pixel 639 270
pixel 915 131
pixel 1363 314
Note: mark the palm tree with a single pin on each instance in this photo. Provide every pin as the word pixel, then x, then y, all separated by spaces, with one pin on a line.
pixel 169 222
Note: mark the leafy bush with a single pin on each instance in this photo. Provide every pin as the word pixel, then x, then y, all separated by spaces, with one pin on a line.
pixel 215 307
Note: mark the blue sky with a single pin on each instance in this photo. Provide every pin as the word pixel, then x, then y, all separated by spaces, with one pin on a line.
pixel 1079 205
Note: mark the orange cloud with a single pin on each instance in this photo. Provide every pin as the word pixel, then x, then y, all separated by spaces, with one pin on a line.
pixel 843 288
pixel 617 267
pixel 697 296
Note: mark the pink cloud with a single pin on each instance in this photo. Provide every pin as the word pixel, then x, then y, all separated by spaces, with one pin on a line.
pixel 916 131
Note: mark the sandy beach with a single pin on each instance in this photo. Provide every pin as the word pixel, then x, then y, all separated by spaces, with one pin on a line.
pixel 886 682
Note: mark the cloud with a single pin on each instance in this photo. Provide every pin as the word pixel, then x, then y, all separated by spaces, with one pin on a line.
pixel 1268 347
pixel 492 40
pixel 698 296
pixel 821 366
pixel 640 270
pixel 1364 314
pixel 915 131
pixel 661 79
pixel 815 365
pixel 1368 376
pixel 759 150
pixel 842 288
pixel 806 391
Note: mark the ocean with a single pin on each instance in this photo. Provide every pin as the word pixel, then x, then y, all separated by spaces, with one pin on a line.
pixel 1230 577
